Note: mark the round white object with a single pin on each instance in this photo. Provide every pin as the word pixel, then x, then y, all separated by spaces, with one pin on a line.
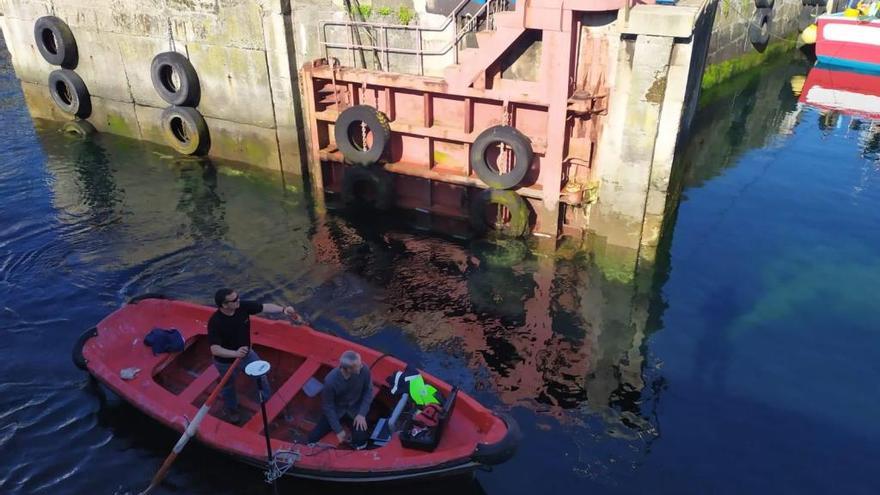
pixel 257 368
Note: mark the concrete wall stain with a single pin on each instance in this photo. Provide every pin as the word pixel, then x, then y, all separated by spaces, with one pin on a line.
pixel 657 90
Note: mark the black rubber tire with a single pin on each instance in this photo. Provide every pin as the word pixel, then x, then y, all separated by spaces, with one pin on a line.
pixel 759 29
pixel 522 150
pixel 69 93
pixel 764 4
pixel 78 359
pixel 501 451
pixel 806 18
pixel 519 211
pixel 79 128
pixel 376 122
pixel 185 130
pixel 55 42
pixel 377 179
pixel 165 66
pixel 148 295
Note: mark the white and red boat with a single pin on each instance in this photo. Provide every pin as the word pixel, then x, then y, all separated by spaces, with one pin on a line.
pixel 851 93
pixel 171 388
pixel 848 42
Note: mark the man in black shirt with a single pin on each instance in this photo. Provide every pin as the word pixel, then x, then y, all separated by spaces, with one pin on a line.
pixel 229 333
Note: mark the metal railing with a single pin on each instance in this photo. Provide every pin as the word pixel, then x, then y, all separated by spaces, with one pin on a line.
pixel 471 22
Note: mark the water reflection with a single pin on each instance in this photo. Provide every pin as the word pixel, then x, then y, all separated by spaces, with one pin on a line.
pixel 845 99
pixel 544 331
pixel 199 200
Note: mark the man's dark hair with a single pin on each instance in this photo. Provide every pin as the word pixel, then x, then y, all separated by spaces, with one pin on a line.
pixel 220 296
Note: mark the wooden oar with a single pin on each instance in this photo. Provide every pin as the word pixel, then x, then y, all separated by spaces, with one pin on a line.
pixel 190 430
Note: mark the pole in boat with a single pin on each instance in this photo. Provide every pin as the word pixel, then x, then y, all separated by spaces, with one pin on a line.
pixel 190 430
pixel 257 370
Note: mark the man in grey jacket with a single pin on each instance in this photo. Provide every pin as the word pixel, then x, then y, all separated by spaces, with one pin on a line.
pixel 347 395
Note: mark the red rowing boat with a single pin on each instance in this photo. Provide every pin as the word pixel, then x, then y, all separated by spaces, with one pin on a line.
pixel 171 387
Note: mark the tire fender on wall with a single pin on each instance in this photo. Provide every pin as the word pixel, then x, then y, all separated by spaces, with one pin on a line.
pixel 55 42
pixel 522 151
pixel 175 79
pixel 185 130
pixel 69 93
pixel 759 29
pixel 348 127
pixel 80 128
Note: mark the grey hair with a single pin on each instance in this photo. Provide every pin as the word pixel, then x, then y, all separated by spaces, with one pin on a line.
pixel 349 358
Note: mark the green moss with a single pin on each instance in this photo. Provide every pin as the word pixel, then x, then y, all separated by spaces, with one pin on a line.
pixel 716 74
pixel 405 15
pixel 118 125
pixel 247 149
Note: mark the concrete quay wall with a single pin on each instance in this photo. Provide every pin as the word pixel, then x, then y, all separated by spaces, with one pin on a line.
pixel 239 48
pixel 730 31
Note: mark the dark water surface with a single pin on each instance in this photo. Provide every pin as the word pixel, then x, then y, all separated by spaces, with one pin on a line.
pixel 745 362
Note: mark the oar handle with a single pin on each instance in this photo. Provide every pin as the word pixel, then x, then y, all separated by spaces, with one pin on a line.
pixel 190 430
pixel 219 387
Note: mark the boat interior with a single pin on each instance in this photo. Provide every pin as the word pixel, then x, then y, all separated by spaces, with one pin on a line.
pixel 294 407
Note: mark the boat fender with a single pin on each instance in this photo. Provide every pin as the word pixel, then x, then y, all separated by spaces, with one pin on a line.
pixel 522 151
pixel 347 131
pixel 809 35
pixel 55 42
pixel 78 359
pixel 69 93
pixel 516 206
pixel 175 79
pixel 368 185
pixel 759 29
pixel 185 130
pixel 148 295
pixel 495 453
pixel 79 128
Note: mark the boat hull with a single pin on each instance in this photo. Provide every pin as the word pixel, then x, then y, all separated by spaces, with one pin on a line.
pixel 847 42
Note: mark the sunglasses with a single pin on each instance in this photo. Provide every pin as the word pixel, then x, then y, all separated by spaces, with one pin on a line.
pixel 232 301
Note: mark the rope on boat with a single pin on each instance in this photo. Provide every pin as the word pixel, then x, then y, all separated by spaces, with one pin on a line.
pixel 281 462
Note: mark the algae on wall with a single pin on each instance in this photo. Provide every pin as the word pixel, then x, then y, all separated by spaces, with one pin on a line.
pixel 722 71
